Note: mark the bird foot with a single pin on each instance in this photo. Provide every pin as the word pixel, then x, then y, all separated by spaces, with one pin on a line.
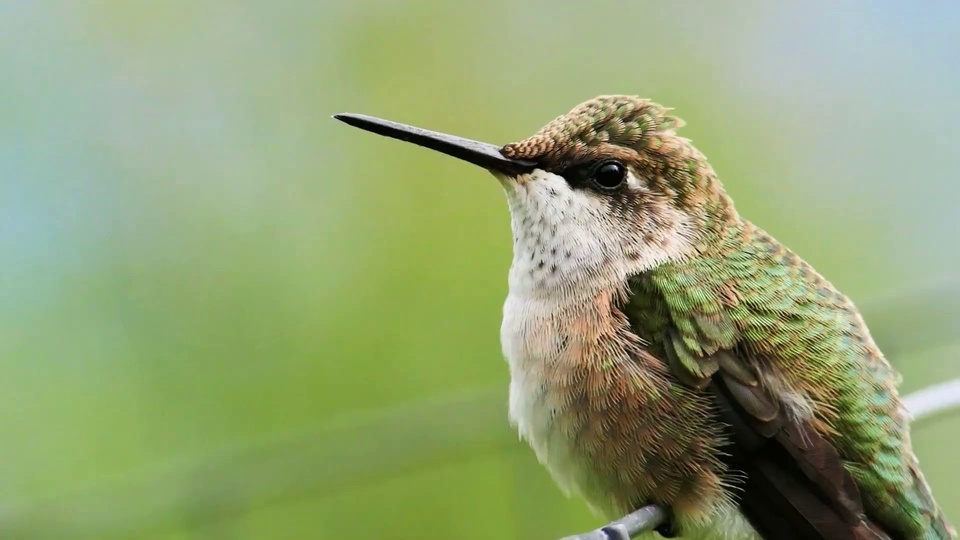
pixel 645 519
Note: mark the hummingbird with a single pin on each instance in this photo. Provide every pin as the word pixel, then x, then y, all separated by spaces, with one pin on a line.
pixel 665 350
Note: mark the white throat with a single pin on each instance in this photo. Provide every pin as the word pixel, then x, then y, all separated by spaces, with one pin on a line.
pixel 565 245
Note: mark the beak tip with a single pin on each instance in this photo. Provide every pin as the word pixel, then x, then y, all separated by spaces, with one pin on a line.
pixel 358 120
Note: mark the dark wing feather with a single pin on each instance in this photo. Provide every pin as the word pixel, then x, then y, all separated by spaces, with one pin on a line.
pixel 796 487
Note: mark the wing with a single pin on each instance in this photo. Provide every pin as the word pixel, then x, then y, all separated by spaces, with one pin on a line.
pixel 796 487
pixel 728 327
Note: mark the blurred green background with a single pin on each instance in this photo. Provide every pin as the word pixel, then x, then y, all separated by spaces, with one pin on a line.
pixel 225 315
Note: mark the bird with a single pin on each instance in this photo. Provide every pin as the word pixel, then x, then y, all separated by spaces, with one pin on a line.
pixel 665 350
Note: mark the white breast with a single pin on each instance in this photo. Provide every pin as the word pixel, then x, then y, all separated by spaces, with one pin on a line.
pixel 532 341
pixel 533 338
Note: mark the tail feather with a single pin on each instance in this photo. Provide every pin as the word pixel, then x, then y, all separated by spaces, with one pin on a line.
pixel 938 526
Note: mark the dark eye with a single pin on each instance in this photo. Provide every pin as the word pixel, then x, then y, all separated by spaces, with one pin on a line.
pixel 610 174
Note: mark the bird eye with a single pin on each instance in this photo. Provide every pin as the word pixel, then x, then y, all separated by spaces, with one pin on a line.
pixel 610 174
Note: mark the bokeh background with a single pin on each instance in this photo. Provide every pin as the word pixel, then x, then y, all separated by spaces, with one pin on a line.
pixel 225 315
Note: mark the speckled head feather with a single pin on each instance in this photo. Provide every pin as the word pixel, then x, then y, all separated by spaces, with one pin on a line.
pixel 597 127
pixel 642 135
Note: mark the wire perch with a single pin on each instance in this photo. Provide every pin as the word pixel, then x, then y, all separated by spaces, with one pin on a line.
pixel 933 400
pixel 922 404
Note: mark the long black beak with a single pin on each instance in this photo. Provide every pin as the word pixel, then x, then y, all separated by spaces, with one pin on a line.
pixel 479 153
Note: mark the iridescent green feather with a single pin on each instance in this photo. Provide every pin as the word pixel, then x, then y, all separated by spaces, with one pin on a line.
pixel 753 294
